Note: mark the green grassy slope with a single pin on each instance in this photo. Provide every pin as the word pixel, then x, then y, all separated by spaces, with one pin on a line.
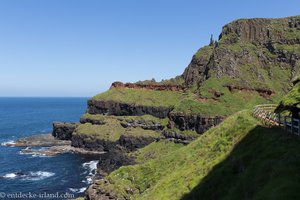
pixel 263 165
pixel 188 102
pixel 292 99
pixel 112 129
pixel 141 97
pixel 239 159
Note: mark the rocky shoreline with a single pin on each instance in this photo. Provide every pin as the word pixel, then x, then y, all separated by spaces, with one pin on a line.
pixel 112 154
pixel 53 146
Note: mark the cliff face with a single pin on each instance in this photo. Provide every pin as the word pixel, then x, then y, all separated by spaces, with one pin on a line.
pixel 63 131
pixel 192 122
pixel 253 62
pixel 121 109
pixel 250 51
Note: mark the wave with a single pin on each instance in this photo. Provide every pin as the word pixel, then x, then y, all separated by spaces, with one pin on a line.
pixel 91 167
pixel 79 190
pixel 10 175
pixel 8 143
pixel 39 175
pixel 40 155
pixel 35 154
pixel 33 176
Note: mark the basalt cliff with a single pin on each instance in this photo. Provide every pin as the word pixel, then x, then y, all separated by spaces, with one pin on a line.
pixel 253 61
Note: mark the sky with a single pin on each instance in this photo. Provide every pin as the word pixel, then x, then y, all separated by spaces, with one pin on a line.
pixel 77 48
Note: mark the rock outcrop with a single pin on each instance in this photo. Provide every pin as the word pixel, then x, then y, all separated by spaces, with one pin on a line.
pixel 262 92
pixel 177 137
pixel 63 130
pixel 120 85
pixel 192 122
pixel 134 143
pixel 84 120
pixel 123 109
pixel 92 144
pixel 127 142
pixel 144 124
pixel 247 52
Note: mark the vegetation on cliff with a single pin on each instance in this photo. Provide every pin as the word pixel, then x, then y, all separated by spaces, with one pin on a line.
pixel 141 97
pixel 291 100
pixel 235 160
pixel 257 57
pixel 253 62
pixel 111 130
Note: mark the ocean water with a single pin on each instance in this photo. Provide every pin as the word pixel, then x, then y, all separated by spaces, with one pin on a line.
pixel 35 174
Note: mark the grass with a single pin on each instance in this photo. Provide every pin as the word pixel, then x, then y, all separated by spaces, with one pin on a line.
pixel 225 105
pixel 292 99
pixel 189 102
pixel 155 150
pixel 190 133
pixel 279 27
pixel 289 48
pixel 172 81
pixel 111 130
pixel 141 97
pixel 239 159
pixel 94 117
pixel 142 118
pixel 205 52
pixel 145 118
pixel 179 171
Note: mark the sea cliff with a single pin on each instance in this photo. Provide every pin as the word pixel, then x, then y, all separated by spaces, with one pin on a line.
pixel 146 123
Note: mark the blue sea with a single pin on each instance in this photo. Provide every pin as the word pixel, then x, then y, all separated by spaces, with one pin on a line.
pixel 37 174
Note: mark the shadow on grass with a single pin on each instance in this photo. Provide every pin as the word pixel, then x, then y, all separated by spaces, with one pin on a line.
pixel 264 165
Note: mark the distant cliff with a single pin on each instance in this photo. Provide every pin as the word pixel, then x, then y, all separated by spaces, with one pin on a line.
pixel 251 53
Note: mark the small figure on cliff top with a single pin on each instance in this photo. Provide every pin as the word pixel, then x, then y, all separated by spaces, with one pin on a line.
pixel 212 42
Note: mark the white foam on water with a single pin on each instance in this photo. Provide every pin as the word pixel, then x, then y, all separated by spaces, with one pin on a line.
pixel 77 190
pixel 35 154
pixel 10 175
pixel 8 143
pixel 40 155
pixel 39 175
pixel 91 167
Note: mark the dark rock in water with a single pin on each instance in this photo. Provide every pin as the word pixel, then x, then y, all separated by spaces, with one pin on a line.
pixel 192 122
pixel 55 150
pixel 124 109
pixel 108 162
pixel 40 140
pixel 63 130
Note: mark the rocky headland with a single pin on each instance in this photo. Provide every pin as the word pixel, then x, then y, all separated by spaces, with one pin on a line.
pixel 253 62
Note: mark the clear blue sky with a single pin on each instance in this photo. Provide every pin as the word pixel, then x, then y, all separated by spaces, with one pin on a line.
pixel 77 48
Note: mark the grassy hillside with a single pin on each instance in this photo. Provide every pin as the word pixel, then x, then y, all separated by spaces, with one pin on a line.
pixel 112 129
pixel 251 54
pixel 189 101
pixel 142 97
pixel 239 159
